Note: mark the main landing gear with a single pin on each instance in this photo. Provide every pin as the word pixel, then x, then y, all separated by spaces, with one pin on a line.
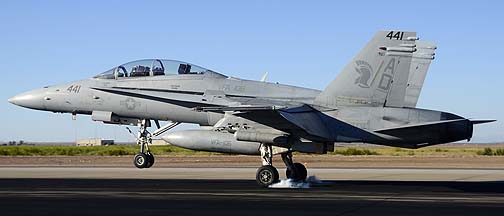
pixel 267 174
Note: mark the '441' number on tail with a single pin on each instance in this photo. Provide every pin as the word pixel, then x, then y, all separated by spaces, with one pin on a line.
pixel 397 35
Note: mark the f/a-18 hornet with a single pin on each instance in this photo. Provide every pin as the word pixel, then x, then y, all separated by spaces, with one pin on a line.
pixel 372 100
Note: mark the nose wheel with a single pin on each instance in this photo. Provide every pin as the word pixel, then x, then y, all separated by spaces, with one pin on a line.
pixel 150 157
pixel 144 159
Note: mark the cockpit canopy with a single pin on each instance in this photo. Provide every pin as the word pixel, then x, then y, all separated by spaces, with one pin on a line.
pixel 153 67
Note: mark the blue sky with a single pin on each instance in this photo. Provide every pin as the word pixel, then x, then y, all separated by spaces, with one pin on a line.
pixel 298 43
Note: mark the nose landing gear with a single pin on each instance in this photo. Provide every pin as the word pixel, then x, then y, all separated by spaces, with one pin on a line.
pixel 144 159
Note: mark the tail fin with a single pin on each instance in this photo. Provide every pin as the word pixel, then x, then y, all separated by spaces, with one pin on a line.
pixel 418 70
pixel 372 77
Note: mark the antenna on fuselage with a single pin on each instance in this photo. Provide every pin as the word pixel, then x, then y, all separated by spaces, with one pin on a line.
pixel 264 76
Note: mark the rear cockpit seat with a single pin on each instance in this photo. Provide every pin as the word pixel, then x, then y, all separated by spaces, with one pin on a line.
pixel 140 71
pixel 158 71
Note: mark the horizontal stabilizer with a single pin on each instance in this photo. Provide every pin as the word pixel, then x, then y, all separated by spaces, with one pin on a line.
pixel 481 121
pixel 432 132
pixel 424 124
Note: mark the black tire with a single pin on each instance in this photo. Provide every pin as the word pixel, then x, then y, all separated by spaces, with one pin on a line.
pixel 289 173
pixel 150 157
pixel 302 173
pixel 267 175
pixel 298 174
pixel 141 160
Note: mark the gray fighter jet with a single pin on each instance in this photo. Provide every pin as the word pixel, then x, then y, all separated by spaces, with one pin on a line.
pixel 372 100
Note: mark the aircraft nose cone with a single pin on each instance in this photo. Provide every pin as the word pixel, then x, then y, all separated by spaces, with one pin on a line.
pixel 32 99
pixel 12 100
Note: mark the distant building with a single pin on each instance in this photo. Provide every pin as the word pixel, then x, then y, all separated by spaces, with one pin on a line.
pixel 94 142
pixel 14 143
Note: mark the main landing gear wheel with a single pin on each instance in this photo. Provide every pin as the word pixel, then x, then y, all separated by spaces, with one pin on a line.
pixel 297 172
pixel 267 175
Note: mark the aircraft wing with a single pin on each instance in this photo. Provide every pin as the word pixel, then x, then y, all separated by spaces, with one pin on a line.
pixel 302 121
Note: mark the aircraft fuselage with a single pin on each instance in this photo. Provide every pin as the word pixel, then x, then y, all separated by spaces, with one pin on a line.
pixel 162 98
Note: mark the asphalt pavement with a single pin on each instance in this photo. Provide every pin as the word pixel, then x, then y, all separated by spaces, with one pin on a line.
pixel 124 194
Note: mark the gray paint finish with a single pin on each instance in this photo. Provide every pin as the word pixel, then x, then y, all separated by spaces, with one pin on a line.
pixel 372 100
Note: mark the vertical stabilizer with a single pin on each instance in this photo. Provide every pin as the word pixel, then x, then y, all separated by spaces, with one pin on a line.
pixel 375 75
pixel 418 71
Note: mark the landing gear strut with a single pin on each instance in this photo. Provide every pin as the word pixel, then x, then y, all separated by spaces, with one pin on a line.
pixel 295 171
pixel 267 174
pixel 144 159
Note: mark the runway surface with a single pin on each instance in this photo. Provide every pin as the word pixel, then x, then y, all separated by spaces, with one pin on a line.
pixel 220 173
pixel 226 191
